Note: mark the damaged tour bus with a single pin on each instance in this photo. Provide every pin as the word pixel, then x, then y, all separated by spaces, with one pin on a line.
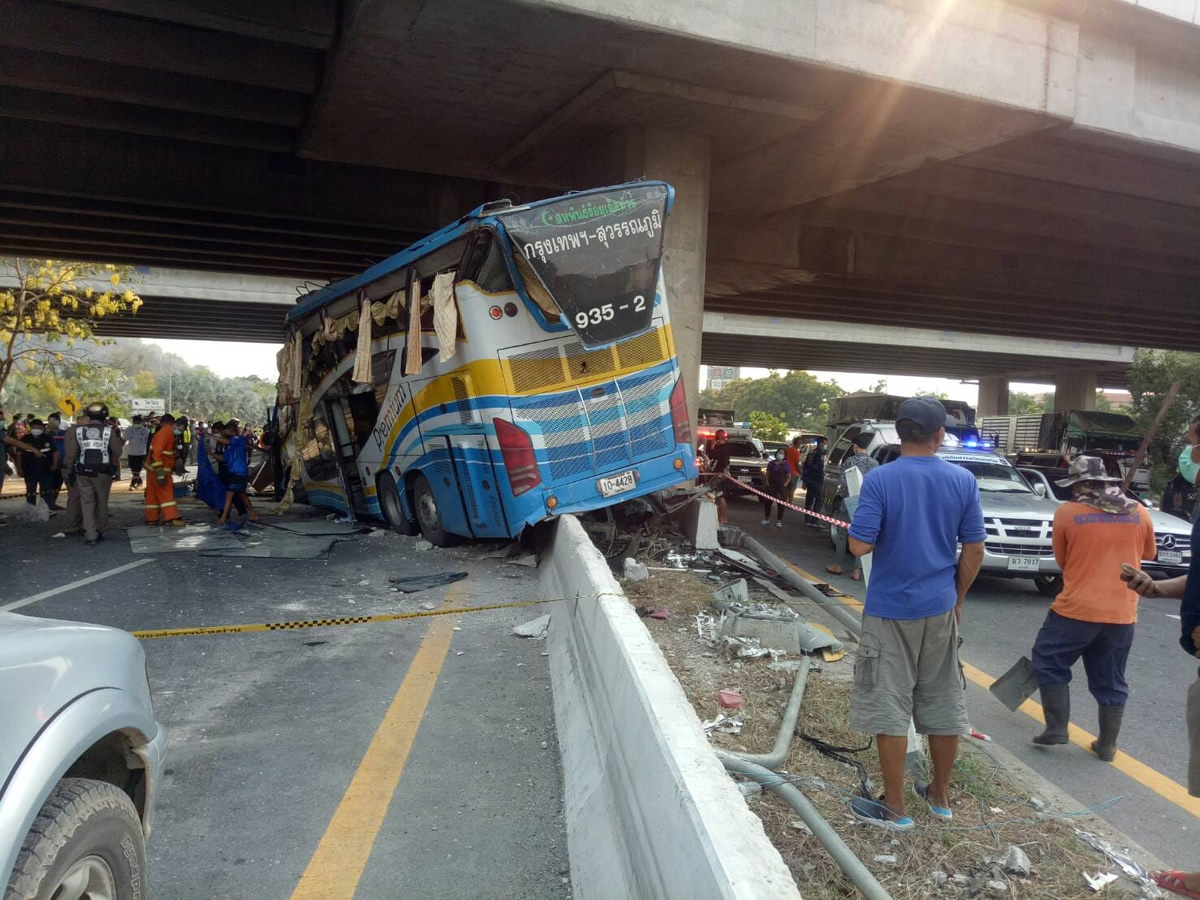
pixel 515 365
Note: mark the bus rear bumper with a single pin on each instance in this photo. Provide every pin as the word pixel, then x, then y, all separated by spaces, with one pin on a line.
pixel 584 495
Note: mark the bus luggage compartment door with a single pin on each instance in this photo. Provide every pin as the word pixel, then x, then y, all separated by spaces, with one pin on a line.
pixel 477 481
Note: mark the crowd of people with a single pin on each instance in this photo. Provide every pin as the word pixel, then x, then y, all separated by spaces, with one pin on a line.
pixel 86 458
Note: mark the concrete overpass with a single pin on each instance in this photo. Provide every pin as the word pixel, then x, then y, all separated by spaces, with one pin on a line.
pixel 1024 169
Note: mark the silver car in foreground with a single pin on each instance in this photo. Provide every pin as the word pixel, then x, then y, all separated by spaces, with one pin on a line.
pixel 80 755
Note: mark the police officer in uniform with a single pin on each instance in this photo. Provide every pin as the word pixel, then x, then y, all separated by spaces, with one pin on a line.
pixel 92 457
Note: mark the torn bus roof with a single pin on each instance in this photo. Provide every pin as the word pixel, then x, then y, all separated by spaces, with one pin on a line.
pixel 491 213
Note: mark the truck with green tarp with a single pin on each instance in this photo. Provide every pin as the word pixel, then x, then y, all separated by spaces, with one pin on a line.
pixel 1114 437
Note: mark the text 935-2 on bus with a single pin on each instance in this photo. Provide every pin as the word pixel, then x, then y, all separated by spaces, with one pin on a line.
pixel 536 376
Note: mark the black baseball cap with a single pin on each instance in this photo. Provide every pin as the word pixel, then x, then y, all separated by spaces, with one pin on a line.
pixel 926 413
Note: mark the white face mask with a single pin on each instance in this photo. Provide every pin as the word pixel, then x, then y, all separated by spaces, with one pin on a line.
pixel 36 432
pixel 179 431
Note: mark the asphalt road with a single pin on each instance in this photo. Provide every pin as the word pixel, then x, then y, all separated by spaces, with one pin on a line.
pixel 1000 622
pixel 268 730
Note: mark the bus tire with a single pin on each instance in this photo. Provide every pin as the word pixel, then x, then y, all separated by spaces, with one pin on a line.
pixel 1049 585
pixel 429 517
pixel 393 509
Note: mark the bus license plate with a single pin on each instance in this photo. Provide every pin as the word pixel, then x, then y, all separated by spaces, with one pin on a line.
pixel 1023 563
pixel 744 479
pixel 1170 557
pixel 616 484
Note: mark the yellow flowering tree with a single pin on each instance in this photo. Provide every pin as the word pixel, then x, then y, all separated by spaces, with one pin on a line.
pixel 48 306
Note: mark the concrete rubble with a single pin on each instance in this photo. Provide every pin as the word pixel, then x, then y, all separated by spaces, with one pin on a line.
pixel 535 628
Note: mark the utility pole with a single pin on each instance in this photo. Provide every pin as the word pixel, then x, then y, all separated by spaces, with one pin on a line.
pixel 170 383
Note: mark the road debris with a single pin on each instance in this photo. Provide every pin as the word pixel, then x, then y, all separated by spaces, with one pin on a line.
pixel 529 561
pixel 634 570
pixel 1098 881
pixel 729 699
pixel 938 877
pixel 724 724
pixel 535 628
pixel 1119 858
pixel 1014 861
pixel 886 859
pixel 411 584
pixel 422 546
pixel 996 888
pixel 733 592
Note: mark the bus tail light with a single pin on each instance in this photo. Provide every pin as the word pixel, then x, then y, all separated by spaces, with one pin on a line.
pixel 679 413
pixel 520 459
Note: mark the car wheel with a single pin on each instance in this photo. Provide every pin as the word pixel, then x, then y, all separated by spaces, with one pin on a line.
pixel 838 512
pixel 393 510
pixel 1049 585
pixel 85 842
pixel 429 517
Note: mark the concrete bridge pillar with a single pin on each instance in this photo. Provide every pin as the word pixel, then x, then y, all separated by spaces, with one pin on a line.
pixel 1074 390
pixel 684 161
pixel 993 396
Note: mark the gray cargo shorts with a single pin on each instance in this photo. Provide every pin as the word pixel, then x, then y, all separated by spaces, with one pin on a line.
pixel 908 669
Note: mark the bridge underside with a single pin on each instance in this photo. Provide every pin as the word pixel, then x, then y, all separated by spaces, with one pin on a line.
pixel 309 139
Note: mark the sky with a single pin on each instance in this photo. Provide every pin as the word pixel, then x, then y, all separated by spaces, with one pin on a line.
pixel 228 359
pixel 231 359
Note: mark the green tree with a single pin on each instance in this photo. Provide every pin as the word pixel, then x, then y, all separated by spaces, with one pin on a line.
pixel 1103 403
pixel 1022 404
pixel 1151 376
pixel 53 306
pixel 767 427
pixel 796 397
pixel 937 395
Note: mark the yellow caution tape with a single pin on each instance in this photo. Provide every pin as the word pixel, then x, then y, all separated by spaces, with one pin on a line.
pixel 324 623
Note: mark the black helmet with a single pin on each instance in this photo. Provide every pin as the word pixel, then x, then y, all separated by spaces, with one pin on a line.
pixel 96 411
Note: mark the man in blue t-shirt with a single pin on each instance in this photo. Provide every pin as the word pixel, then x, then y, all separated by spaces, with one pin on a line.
pixel 912 514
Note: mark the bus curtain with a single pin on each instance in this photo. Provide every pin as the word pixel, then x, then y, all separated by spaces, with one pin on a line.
pixel 208 486
pixel 412 358
pixel 445 313
pixel 362 350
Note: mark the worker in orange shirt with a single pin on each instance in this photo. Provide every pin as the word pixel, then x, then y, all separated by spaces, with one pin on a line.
pixel 160 488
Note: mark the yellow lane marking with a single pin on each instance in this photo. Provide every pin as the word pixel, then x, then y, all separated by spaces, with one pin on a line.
pixel 337 865
pixel 1134 768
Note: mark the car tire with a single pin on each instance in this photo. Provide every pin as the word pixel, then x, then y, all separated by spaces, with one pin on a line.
pixel 393 509
pixel 1049 585
pixel 429 517
pixel 87 833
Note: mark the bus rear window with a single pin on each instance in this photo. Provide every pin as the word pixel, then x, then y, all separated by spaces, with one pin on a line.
pixel 597 255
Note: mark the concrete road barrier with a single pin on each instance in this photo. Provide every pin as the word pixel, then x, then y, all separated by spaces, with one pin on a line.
pixel 649 809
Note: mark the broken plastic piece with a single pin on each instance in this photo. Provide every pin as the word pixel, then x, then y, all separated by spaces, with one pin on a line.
pixel 663 613
pixel 1099 880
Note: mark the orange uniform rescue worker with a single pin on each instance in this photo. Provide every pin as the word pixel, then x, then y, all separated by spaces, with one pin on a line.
pixel 160 487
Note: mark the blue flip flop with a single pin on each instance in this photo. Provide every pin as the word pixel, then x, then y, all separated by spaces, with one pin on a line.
pixel 938 812
pixel 874 813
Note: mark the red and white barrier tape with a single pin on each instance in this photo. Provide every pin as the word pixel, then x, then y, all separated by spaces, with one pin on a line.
pixel 793 506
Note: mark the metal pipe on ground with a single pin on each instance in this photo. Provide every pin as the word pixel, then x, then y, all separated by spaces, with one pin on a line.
pixel 803 585
pixel 787 726
pixel 846 859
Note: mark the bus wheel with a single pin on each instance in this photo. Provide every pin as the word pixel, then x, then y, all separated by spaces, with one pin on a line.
pixel 429 517
pixel 393 510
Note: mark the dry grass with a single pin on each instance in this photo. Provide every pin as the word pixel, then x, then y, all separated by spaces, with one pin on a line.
pixel 991 811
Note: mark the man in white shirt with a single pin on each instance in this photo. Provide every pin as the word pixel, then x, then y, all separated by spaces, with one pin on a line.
pixel 137 438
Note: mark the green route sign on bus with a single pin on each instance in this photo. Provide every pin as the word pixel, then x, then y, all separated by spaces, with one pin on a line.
pixel 598 255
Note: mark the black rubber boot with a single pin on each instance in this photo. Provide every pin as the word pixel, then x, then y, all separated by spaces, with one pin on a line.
pixel 1056 706
pixel 1110 726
